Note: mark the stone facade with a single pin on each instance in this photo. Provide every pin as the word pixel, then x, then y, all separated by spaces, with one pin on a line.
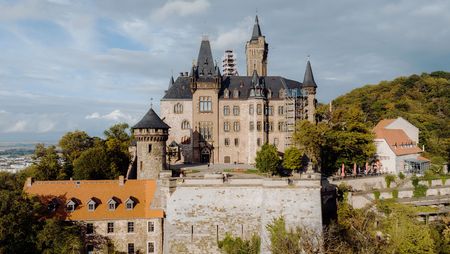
pixel 142 237
pixel 151 152
pixel 202 211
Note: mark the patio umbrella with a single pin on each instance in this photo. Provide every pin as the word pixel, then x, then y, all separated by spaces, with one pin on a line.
pixel 343 170
pixel 354 168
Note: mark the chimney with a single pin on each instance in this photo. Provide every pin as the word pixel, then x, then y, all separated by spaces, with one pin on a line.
pixel 186 73
pixel 29 182
pixel 121 180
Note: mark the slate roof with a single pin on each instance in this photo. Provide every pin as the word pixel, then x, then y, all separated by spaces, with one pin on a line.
pixel 151 121
pixel 256 30
pixel 205 61
pixel 308 80
pixel 181 88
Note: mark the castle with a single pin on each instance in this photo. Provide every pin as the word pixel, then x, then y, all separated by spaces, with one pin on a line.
pixel 151 211
pixel 216 118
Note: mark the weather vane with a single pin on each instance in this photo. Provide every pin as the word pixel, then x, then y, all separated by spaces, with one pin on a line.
pixel 151 102
pixel 307 57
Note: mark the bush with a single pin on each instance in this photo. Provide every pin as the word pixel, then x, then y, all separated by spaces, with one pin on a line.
pixel 231 245
pixel 267 159
pixel 401 176
pixel 415 181
pixel 377 194
pixel 420 191
pixel 389 179
pixel 395 193
pixel 443 179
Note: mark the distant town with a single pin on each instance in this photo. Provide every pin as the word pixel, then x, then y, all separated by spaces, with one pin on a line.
pixel 15 157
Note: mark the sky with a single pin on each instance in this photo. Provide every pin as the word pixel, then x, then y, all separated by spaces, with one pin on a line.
pixel 85 65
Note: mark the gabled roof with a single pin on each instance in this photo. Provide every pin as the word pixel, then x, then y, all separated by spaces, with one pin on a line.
pixel 104 190
pixel 308 80
pixel 256 30
pixel 397 139
pixel 151 121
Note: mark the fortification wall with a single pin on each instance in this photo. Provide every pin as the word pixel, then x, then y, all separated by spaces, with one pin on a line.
pixel 202 211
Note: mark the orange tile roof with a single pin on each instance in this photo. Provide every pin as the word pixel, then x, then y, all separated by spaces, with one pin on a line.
pixel 397 140
pixel 383 123
pixel 142 191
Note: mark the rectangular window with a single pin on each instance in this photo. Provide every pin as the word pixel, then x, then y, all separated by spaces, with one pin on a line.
pixel 282 126
pixel 226 126
pixel 150 226
pixel 226 110
pixel 236 110
pixel 206 130
pixel 275 141
pixel 130 227
pixel 110 227
pixel 236 142
pixel 91 206
pixel 251 126
pixel 258 141
pixel 90 249
pixel 205 104
pixel 258 126
pixel 112 206
pixel 280 110
pixel 259 109
pixel 89 228
pixel 150 247
pixel 131 248
pixel 149 148
pixel 270 113
pixel 236 126
pixel 251 109
pixel 227 141
pixel 271 126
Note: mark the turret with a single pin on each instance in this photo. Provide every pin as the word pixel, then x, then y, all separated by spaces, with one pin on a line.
pixel 151 134
pixel 309 89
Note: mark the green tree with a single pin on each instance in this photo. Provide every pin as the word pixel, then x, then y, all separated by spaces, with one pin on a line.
pixel 292 159
pixel 47 165
pixel 59 237
pixel 232 245
pixel 74 143
pixel 94 163
pixel 119 132
pixel 267 159
pixel 311 138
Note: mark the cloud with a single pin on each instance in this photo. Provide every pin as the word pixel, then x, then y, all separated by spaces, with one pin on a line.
pixel 236 37
pixel 180 8
pixel 19 126
pixel 116 115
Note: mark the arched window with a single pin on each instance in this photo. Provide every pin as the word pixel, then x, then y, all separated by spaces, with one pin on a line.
pixel 178 108
pixel 185 125
pixel 226 93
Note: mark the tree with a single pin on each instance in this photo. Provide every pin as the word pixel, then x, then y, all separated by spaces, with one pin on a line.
pixel 311 138
pixel 231 245
pixel 47 165
pixel 292 159
pixel 94 163
pixel 119 132
pixel 267 159
pixel 74 143
pixel 59 237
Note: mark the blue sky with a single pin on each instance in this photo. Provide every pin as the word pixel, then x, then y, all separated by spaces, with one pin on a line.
pixel 67 65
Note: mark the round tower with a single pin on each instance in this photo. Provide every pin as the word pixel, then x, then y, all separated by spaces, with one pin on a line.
pixel 151 134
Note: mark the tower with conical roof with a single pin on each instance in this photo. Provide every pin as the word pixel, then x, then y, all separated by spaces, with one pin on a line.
pixel 151 134
pixel 256 51
pixel 309 89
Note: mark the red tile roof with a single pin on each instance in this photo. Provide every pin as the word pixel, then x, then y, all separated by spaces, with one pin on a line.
pixel 397 139
pixel 142 191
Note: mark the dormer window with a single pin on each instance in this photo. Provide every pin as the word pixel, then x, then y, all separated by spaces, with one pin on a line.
pixel 281 93
pixel 226 93
pixel 236 94
pixel 129 203
pixel 112 204
pixel 71 205
pixel 91 205
pixel 269 93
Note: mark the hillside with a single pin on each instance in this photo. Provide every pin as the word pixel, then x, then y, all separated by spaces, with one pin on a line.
pixel 424 100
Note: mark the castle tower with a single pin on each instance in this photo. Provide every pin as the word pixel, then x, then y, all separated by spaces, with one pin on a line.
pixel 309 89
pixel 256 51
pixel 151 134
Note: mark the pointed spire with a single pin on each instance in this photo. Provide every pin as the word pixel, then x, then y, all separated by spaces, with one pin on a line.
pixel 151 120
pixel 256 30
pixel 205 62
pixel 308 80
pixel 171 82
